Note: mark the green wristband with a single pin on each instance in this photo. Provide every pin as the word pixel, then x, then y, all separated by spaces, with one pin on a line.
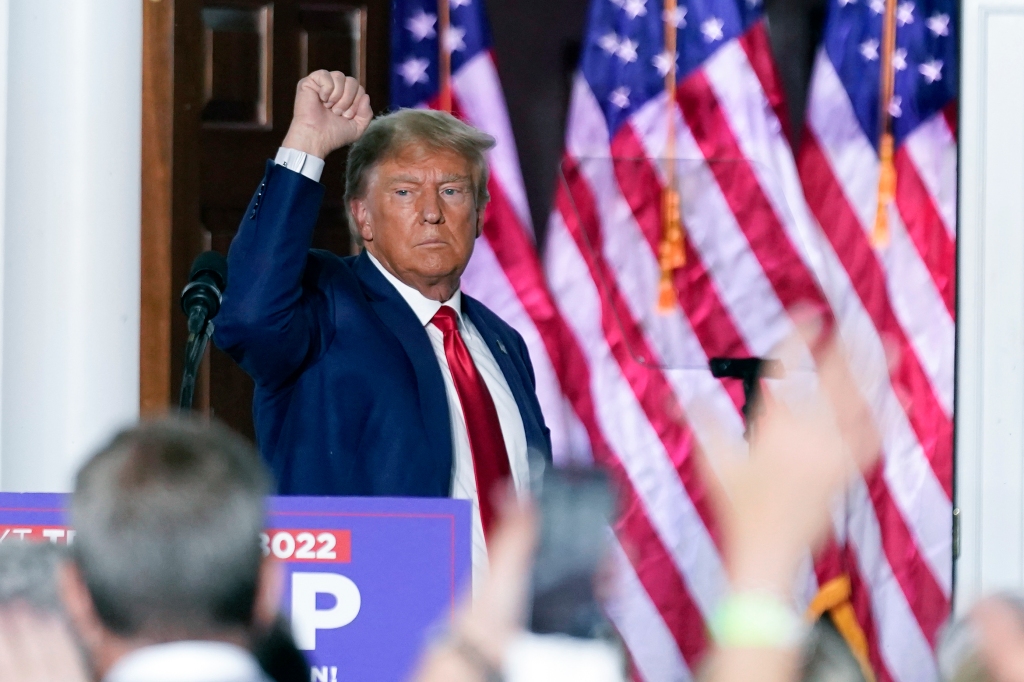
pixel 756 619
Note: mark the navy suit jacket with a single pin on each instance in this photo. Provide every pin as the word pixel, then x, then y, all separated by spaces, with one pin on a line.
pixel 349 394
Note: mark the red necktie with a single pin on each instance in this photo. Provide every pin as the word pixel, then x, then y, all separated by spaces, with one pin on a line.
pixel 490 459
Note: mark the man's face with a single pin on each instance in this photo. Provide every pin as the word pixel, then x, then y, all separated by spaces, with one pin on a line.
pixel 419 216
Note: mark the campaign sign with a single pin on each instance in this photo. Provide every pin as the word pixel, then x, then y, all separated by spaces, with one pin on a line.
pixel 365 578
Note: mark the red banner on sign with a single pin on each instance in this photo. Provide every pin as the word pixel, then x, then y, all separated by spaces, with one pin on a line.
pixel 308 545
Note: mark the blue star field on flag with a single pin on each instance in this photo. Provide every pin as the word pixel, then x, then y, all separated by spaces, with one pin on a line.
pixel 925 59
pixel 415 50
pixel 623 56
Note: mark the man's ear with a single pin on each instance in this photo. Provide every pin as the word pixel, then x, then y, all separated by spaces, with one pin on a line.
pixel 481 213
pixel 361 214
pixel 269 585
pixel 79 606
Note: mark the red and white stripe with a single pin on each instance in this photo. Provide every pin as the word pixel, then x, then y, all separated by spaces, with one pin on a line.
pixel 506 275
pixel 504 272
pixel 637 380
pixel 900 527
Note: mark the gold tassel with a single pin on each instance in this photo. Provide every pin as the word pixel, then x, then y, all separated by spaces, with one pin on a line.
pixel 834 598
pixel 886 192
pixel 673 255
pixel 671 251
pixel 666 293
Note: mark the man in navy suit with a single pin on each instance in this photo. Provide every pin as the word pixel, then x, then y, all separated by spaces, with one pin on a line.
pixel 375 374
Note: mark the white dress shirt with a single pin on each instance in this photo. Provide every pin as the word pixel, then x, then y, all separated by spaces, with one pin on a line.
pixel 512 429
pixel 194 661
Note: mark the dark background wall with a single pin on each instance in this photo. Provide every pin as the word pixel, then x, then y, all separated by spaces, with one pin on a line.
pixel 537 42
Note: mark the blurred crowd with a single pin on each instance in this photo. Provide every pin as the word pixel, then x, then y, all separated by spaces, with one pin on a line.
pixel 166 580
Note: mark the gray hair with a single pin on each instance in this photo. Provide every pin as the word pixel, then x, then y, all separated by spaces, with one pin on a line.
pixel 958 649
pixel 387 135
pixel 826 657
pixel 28 574
pixel 168 519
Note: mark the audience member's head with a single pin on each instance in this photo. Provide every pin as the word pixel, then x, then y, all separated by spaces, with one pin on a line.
pixel 35 642
pixel 28 575
pixel 967 653
pixel 167 518
pixel 826 657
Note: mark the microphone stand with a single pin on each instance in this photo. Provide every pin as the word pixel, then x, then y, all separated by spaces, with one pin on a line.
pixel 750 371
pixel 199 332
pixel 200 300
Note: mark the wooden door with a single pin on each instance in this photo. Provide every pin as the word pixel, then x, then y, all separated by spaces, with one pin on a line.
pixel 232 67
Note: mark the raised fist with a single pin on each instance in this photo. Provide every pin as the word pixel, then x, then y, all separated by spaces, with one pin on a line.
pixel 331 110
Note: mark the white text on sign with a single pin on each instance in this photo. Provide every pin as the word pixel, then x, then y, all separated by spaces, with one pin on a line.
pixel 288 544
pixel 54 534
pixel 307 618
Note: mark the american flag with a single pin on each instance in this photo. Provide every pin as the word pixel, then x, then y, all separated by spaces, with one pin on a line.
pixel 505 272
pixel 761 235
pixel 625 380
pixel 898 530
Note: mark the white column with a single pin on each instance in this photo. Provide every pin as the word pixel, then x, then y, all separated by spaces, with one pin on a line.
pixel 4 20
pixel 70 351
pixel 990 394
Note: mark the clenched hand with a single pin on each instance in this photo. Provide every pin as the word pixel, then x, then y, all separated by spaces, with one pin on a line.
pixel 331 111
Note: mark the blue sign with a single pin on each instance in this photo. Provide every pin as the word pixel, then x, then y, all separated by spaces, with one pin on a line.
pixel 365 577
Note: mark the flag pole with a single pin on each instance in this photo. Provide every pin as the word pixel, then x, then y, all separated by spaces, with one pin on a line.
pixel 444 57
pixel 671 250
pixel 886 166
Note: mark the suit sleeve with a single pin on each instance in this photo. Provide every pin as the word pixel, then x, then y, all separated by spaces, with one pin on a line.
pixel 273 317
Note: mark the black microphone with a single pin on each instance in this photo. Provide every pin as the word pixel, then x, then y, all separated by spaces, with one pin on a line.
pixel 750 370
pixel 200 299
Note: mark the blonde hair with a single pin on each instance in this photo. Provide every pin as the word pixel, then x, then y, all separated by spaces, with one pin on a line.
pixel 387 135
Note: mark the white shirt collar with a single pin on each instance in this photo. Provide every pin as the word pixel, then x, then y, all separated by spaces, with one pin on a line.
pixel 424 308
pixel 190 661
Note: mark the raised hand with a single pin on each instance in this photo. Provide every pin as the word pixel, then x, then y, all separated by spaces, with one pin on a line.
pixel 331 111
pixel 488 623
pixel 807 444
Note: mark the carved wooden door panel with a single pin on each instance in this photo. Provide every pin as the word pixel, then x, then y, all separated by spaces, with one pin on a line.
pixel 251 54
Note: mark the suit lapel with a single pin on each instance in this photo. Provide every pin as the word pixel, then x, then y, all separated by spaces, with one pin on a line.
pixel 513 375
pixel 396 314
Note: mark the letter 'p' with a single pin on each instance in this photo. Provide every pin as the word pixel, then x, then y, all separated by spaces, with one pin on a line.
pixel 307 619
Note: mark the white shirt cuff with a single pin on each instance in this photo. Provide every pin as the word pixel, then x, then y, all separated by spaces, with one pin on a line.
pixel 300 162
